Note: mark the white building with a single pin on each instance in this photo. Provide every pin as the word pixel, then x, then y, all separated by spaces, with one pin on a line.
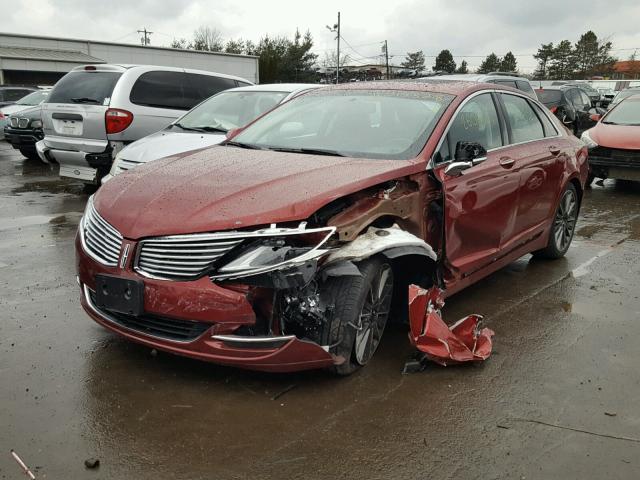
pixel 34 60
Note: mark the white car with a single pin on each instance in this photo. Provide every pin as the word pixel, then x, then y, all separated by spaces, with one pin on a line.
pixel 207 123
pixel 31 100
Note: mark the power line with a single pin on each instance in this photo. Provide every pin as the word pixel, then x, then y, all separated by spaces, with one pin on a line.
pixel 145 40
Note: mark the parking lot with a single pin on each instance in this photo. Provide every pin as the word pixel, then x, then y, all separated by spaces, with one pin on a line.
pixel 557 399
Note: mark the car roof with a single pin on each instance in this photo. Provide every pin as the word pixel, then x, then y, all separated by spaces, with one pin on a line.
pixel 471 77
pixel 451 87
pixel 276 87
pixel 121 67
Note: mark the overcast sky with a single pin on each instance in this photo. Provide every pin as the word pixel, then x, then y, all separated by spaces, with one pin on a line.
pixel 470 29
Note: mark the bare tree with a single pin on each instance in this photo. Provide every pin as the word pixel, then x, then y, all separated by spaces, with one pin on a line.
pixel 207 38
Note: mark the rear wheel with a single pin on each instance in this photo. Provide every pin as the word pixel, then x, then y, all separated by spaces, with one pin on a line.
pixel 564 225
pixel 361 311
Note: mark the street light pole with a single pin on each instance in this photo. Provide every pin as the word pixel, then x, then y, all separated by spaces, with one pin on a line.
pixel 336 29
pixel 386 54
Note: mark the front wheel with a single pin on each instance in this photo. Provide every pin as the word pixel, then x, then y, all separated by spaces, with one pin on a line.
pixel 564 225
pixel 361 310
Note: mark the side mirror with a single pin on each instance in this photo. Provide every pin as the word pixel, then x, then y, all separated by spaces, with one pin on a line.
pixel 232 133
pixel 469 151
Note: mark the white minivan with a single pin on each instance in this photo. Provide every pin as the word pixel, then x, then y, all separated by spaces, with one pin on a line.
pixel 95 110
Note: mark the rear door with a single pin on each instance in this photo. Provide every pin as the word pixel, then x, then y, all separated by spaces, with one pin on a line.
pixel 481 203
pixel 74 113
pixel 537 151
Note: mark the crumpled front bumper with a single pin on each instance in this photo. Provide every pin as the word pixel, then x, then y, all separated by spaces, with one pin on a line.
pixel 222 309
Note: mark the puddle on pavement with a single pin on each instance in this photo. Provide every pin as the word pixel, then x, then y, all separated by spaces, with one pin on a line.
pixel 56 220
pixel 50 186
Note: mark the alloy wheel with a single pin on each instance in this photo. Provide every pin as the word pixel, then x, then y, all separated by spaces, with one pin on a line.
pixel 565 221
pixel 373 316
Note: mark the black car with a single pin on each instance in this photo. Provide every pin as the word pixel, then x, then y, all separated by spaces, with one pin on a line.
pixel 11 94
pixel 571 105
pixel 23 130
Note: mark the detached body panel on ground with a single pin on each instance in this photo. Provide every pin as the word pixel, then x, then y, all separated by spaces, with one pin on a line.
pixel 287 247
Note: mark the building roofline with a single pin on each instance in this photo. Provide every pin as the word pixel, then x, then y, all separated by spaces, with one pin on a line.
pixel 98 42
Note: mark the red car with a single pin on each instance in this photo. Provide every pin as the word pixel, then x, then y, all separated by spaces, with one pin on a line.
pixel 287 247
pixel 614 143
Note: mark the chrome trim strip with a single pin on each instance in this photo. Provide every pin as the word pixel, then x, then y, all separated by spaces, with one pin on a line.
pixel 253 340
pixel 108 318
pixel 431 163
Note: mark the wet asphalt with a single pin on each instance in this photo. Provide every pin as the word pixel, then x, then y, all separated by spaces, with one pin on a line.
pixel 558 399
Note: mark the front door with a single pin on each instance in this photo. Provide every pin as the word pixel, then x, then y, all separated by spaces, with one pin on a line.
pixel 481 203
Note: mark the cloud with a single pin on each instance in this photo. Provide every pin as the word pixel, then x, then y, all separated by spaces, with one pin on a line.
pixel 470 29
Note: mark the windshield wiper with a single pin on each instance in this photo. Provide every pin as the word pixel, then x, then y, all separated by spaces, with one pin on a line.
pixel 190 129
pixel 309 151
pixel 609 122
pixel 243 145
pixel 84 100
pixel 206 128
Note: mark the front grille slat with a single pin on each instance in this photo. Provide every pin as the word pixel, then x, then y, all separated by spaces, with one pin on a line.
pixel 101 239
pixel 187 257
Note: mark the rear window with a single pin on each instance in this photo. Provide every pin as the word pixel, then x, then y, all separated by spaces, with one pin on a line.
pixel 506 83
pixel 176 90
pixel 549 96
pixel 85 87
pixel 524 86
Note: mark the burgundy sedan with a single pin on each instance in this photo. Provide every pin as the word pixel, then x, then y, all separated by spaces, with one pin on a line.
pixel 290 246
pixel 614 143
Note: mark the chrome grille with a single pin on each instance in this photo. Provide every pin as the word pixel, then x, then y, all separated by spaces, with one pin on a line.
pixel 23 122
pixel 182 256
pixel 100 240
pixel 14 122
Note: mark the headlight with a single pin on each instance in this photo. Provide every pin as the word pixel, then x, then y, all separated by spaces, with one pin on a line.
pixel 274 249
pixel 588 141
pixel 36 124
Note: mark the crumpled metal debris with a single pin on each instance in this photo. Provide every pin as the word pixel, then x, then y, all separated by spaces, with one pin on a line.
pixel 464 341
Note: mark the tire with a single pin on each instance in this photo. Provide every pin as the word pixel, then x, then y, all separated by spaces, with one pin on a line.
pixel 348 332
pixel 30 154
pixel 563 226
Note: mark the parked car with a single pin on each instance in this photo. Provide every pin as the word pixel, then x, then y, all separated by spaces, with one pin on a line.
pixel 622 94
pixel 571 105
pixel 614 143
pixel 24 130
pixel 592 93
pixel 10 94
pixel 25 103
pixel 606 96
pixel 207 123
pixel 95 110
pixel 499 78
pixel 286 247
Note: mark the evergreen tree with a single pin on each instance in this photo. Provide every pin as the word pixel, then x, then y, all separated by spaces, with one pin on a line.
pixel 414 61
pixel 444 62
pixel 463 68
pixel 543 56
pixel 562 61
pixel 490 64
pixel 509 63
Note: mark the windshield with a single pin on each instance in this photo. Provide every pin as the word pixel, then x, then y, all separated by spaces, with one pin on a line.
pixel 93 87
pixel 357 123
pixel 229 110
pixel 624 94
pixel 549 97
pixel 626 113
pixel 35 98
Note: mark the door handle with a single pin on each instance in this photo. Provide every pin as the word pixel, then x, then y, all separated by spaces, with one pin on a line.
pixel 507 162
pixel 554 149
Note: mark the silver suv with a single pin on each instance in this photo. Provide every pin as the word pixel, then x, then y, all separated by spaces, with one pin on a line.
pixel 94 111
pixel 499 78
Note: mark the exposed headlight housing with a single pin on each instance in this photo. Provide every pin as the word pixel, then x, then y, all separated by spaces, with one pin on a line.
pixel 36 124
pixel 274 249
pixel 588 141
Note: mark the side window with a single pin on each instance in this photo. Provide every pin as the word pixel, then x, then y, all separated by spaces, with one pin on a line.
pixel 525 125
pixel 242 84
pixel 444 153
pixel 574 97
pixel 524 86
pixel 586 101
pixel 506 83
pixel 200 87
pixel 477 121
pixel 160 89
pixel 549 128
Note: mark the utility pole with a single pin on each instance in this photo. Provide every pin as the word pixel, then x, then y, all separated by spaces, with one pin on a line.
pixel 336 28
pixel 386 54
pixel 145 40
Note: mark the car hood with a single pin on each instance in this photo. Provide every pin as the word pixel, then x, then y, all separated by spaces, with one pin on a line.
pixel 12 109
pixel 616 136
pixel 226 188
pixel 167 143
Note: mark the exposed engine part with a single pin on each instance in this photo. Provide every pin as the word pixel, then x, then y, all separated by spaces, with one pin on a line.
pixel 304 313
